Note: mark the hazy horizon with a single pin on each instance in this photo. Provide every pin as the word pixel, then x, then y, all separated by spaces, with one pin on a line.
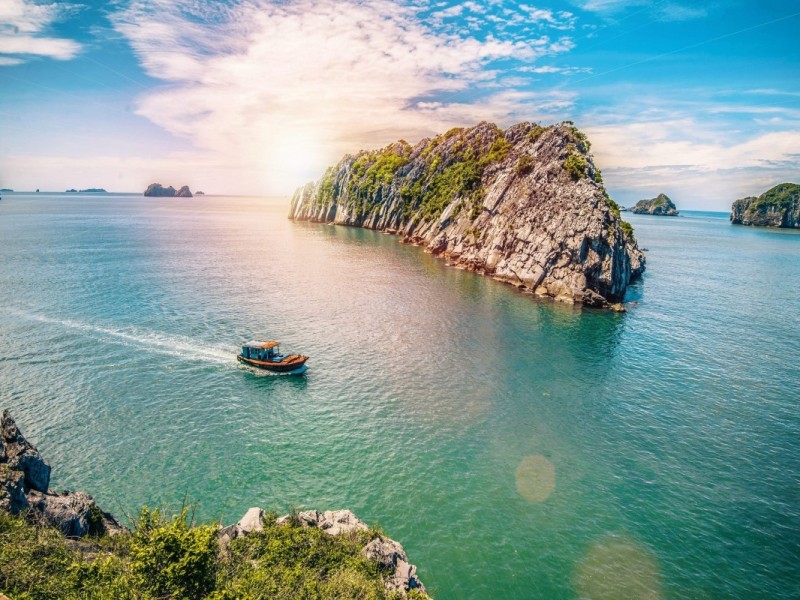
pixel 257 98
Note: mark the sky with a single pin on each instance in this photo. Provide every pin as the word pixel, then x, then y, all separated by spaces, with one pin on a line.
pixel 700 101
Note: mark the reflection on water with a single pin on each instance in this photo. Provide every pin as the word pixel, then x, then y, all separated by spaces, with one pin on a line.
pixel 467 418
pixel 618 568
pixel 536 478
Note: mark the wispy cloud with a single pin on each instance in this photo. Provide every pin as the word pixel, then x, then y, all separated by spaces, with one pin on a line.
pixel 292 86
pixel 665 11
pixel 23 28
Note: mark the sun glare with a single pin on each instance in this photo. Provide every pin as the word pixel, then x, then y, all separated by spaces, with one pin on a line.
pixel 294 161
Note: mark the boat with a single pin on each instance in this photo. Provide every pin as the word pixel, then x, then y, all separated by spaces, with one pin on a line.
pixel 267 356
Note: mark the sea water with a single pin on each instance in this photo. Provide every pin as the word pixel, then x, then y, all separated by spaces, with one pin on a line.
pixel 517 448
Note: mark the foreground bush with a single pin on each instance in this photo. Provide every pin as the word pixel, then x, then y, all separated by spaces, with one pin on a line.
pixel 173 557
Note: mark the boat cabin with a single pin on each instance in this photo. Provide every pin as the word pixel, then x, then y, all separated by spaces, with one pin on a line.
pixel 256 350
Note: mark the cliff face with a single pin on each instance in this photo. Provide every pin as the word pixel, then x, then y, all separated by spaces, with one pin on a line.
pixel 660 205
pixel 525 206
pixel 777 207
pixel 24 487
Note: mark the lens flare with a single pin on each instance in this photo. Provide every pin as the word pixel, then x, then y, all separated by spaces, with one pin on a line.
pixel 536 478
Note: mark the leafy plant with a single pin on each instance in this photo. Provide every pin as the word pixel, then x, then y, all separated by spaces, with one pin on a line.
pixel 575 166
pixel 171 557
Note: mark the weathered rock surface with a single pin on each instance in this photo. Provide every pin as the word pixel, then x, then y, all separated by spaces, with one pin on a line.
pixel 386 552
pixel 525 206
pixel 777 207
pixel 158 190
pixel 24 486
pixel 660 205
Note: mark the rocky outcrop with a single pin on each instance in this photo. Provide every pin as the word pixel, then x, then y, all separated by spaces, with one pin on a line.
pixel 525 206
pixel 24 487
pixel 388 553
pixel 777 207
pixel 660 205
pixel 158 190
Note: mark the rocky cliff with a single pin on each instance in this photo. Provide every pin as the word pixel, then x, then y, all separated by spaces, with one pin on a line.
pixel 777 207
pixel 25 487
pixel 660 205
pixel 156 189
pixel 526 206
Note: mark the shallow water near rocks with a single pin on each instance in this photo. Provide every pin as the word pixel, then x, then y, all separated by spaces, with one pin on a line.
pixel 516 448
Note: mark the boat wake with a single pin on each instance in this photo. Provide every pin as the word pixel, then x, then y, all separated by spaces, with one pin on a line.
pixel 151 341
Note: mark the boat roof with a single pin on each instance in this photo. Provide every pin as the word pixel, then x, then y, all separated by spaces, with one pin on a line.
pixel 260 344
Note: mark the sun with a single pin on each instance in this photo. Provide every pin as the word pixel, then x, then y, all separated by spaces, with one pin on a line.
pixel 294 161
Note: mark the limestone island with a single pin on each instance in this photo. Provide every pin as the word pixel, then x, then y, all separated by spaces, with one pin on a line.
pixel 660 205
pixel 777 207
pixel 158 190
pixel 199 193
pixel 525 205
pixel 87 191
pixel 62 545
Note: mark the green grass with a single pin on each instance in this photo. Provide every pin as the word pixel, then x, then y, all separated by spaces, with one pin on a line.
pixel 175 558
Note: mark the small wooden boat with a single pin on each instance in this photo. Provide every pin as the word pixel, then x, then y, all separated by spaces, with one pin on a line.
pixel 267 355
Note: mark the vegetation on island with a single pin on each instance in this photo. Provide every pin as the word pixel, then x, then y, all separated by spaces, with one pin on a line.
pixel 173 557
pixel 452 171
pixel 780 197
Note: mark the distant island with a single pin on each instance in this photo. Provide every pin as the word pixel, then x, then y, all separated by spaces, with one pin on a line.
pixel 525 205
pixel 777 207
pixel 6 190
pixel 158 190
pixel 87 191
pixel 199 193
pixel 660 205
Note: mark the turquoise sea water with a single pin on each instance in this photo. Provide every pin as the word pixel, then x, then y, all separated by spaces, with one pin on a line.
pixel 517 448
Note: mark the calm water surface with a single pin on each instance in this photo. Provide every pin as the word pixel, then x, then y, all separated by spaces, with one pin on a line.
pixel 518 449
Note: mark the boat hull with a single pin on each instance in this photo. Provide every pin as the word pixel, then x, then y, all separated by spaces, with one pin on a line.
pixel 291 364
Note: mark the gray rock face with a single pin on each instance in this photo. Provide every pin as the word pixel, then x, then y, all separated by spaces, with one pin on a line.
pixel 20 455
pixel 525 206
pixel 777 207
pixel 24 482
pixel 389 554
pixel 660 205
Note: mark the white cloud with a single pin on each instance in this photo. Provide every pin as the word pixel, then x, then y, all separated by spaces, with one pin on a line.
pixel 548 69
pixel 554 19
pixel 290 87
pixel 21 24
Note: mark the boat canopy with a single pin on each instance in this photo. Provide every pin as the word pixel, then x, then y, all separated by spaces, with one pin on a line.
pixel 260 345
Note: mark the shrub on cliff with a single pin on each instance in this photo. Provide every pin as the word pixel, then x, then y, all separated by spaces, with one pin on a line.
pixel 173 558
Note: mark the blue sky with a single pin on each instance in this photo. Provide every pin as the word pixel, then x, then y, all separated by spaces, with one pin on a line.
pixel 697 100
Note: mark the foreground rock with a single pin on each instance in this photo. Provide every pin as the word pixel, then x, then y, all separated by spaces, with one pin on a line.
pixel 660 205
pixel 525 206
pixel 158 190
pixel 777 207
pixel 386 552
pixel 24 486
